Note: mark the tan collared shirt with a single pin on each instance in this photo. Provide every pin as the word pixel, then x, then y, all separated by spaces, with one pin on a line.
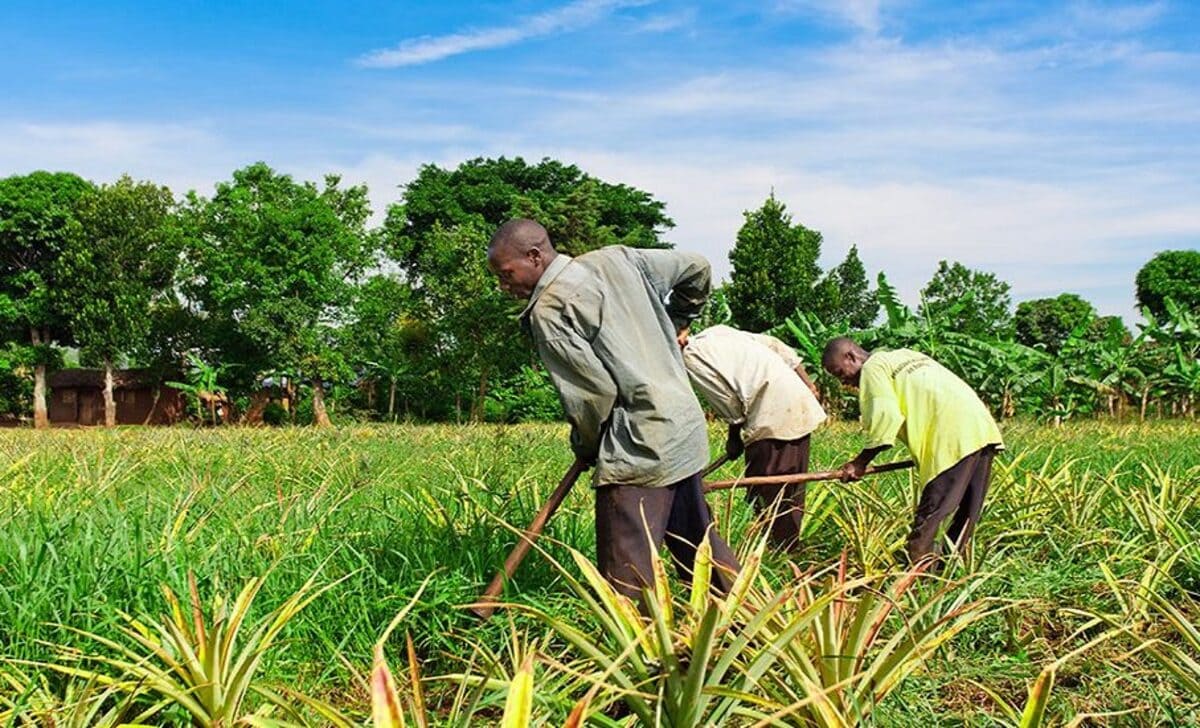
pixel 604 325
pixel 750 380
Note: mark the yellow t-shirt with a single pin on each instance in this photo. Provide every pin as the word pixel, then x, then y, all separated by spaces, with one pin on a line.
pixel 905 395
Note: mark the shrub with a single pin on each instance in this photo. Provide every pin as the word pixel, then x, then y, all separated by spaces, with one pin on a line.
pixel 274 415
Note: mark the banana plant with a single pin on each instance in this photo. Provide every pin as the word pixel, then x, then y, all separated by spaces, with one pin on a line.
pixel 202 386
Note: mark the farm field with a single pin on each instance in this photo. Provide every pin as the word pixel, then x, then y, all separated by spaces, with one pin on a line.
pixel 1084 525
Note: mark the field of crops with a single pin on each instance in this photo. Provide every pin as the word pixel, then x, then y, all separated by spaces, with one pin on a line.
pixel 1085 574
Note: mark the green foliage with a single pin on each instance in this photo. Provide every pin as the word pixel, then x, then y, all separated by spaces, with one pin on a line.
pixel 202 387
pixel 847 294
pixel 272 265
pixel 968 301
pixel 389 344
pixel 528 397
pixel 1047 322
pixel 274 415
pixel 580 212
pixel 1171 274
pixel 16 386
pixel 1097 368
pixel 93 522
pixel 775 268
pixel 119 260
pixel 716 310
pixel 38 218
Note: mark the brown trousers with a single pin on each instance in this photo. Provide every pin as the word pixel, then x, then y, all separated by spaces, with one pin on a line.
pixel 779 457
pixel 959 491
pixel 676 513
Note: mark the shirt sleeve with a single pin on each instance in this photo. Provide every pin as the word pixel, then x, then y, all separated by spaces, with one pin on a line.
pixel 585 386
pixel 683 280
pixel 880 408
pixel 785 352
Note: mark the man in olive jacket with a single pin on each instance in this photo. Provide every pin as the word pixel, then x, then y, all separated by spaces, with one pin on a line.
pixel 606 326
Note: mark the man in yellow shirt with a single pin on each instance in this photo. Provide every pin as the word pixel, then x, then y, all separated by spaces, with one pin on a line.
pixel 907 396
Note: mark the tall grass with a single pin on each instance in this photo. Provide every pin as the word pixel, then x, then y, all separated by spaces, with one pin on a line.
pixel 94 523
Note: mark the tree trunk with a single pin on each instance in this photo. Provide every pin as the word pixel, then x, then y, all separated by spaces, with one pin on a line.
pixel 479 407
pixel 1142 409
pixel 320 416
pixel 392 400
pixel 41 418
pixel 153 405
pixel 258 404
pixel 110 403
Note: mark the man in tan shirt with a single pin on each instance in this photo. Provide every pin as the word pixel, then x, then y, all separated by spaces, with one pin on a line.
pixel 605 325
pixel 758 385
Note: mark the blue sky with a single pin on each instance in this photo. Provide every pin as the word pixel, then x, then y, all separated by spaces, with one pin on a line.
pixel 1057 145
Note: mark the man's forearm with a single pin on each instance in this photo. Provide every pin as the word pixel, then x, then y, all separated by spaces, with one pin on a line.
pixel 805 378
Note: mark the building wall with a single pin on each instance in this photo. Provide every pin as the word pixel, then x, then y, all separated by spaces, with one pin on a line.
pixel 85 406
pixel 63 407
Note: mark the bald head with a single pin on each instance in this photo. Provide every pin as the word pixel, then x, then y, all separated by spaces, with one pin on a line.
pixel 518 254
pixel 844 358
pixel 520 235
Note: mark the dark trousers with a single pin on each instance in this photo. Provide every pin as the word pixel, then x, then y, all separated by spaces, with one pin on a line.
pixel 958 491
pixel 784 504
pixel 631 520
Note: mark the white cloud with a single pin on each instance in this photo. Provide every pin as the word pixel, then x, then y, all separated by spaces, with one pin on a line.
pixel 863 15
pixel 427 49
pixel 182 156
pixel 667 21
pixel 1120 19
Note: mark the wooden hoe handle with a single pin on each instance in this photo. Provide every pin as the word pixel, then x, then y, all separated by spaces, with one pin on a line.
pixel 800 477
pixel 486 603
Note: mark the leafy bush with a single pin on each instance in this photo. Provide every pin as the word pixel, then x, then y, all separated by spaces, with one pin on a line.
pixel 274 415
pixel 529 397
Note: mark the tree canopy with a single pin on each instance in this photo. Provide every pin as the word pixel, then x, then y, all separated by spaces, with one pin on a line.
pixel 968 301
pixel 1047 322
pixel 271 263
pixel 38 218
pixel 775 269
pixel 1173 274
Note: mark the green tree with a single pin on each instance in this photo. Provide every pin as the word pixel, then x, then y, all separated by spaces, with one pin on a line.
pixel 848 295
pixel 438 234
pixel 271 264
pixel 37 219
pixel 16 389
pixel 1047 322
pixel 388 341
pixel 1109 329
pixel 119 259
pixel 1173 274
pixel 967 301
pixel 775 268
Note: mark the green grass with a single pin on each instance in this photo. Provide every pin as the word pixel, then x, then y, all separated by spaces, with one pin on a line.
pixel 92 523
